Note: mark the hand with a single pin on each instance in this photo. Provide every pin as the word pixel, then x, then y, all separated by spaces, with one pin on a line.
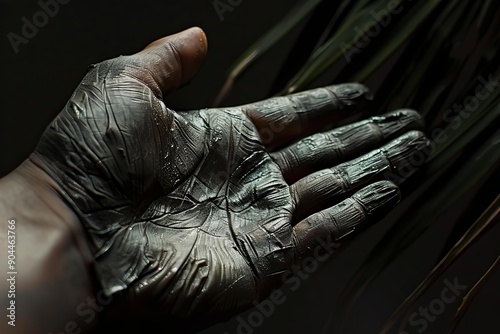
pixel 195 215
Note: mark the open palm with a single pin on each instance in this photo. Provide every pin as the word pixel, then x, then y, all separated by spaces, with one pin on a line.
pixel 195 215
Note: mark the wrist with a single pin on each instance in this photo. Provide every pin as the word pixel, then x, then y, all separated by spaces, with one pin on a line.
pixel 32 194
pixel 53 261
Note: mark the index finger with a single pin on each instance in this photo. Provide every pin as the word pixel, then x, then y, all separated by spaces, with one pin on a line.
pixel 282 120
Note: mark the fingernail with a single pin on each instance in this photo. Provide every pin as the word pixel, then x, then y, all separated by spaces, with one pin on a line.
pixel 394 123
pixel 378 197
pixel 352 96
pixel 408 153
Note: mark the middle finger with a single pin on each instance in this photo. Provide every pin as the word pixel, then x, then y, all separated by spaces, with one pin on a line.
pixel 327 149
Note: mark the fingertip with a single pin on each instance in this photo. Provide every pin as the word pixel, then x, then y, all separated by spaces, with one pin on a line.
pixel 194 36
pixel 197 39
pixel 352 96
pixel 417 141
pixel 397 122
pixel 378 198
pixel 202 37
pixel 192 47
pixel 408 113
pixel 409 118
pixel 174 60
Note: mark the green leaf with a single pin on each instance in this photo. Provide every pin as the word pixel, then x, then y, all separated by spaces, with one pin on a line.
pixel 469 298
pixel 262 45
pixel 343 42
pixel 420 216
pixel 481 226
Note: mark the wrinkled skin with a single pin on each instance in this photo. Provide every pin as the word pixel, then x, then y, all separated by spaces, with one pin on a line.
pixel 195 215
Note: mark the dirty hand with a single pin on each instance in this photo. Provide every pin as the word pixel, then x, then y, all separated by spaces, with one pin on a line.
pixel 196 214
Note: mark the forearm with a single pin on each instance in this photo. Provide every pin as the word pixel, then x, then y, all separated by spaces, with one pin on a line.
pixel 51 263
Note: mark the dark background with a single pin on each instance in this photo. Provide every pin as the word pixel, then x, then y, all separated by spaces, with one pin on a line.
pixel 36 83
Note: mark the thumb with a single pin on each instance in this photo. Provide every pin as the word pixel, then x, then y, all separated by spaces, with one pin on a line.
pixel 173 60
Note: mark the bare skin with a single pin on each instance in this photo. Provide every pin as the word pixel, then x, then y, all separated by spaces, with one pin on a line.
pixel 189 217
